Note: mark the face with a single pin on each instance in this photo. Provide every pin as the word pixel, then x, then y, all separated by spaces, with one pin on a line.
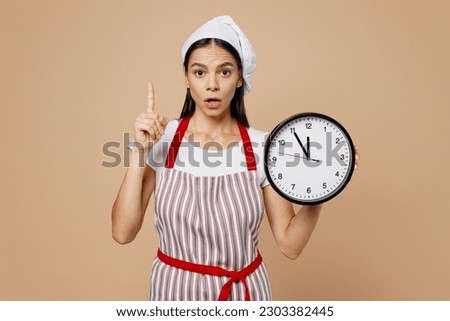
pixel 213 76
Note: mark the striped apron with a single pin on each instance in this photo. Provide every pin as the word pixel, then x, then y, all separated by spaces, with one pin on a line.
pixel 208 228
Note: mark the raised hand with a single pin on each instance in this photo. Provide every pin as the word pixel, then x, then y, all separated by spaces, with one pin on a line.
pixel 149 126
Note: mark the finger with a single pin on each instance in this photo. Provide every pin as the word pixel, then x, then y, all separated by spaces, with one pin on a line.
pixel 162 120
pixel 147 116
pixel 147 132
pixel 150 98
pixel 151 119
pixel 141 127
pixel 161 124
pixel 165 121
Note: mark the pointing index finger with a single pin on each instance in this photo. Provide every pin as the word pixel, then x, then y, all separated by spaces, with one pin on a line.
pixel 150 99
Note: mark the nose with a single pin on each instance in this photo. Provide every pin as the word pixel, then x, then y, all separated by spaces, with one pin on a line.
pixel 213 84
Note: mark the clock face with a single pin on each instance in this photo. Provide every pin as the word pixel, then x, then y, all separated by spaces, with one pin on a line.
pixel 309 158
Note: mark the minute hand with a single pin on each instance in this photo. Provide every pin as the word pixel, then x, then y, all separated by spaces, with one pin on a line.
pixel 303 147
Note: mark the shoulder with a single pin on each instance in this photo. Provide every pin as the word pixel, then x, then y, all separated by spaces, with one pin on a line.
pixel 258 139
pixel 258 135
pixel 171 127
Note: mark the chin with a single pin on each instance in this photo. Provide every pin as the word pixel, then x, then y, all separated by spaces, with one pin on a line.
pixel 214 111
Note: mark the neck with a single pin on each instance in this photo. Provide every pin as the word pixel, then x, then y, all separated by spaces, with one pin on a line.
pixel 213 126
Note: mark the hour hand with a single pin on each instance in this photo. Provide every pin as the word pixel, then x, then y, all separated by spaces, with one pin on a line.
pixel 305 151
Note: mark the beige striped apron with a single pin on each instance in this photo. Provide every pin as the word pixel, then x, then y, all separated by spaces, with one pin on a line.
pixel 208 220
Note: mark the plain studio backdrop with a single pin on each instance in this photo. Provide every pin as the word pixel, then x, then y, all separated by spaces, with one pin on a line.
pixel 73 77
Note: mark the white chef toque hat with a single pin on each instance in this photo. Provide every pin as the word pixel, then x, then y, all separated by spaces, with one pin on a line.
pixel 224 28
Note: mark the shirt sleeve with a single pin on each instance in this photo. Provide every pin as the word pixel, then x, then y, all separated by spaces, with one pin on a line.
pixel 258 139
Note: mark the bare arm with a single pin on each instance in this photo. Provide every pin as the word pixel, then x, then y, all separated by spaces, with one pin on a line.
pixel 291 230
pixel 139 182
pixel 132 200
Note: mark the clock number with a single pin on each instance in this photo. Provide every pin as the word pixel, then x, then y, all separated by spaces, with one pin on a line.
pixel 338 140
pixel 337 174
pixel 342 156
pixel 308 125
pixel 293 186
pixel 324 185
pixel 274 159
pixel 292 130
pixel 282 142
pixel 325 129
pixel 308 190
pixel 280 176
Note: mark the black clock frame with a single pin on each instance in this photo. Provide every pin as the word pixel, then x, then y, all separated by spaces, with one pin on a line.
pixel 277 129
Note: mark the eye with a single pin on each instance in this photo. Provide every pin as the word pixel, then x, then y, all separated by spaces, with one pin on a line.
pixel 199 73
pixel 225 72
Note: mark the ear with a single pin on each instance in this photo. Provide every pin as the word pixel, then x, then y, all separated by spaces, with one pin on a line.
pixel 239 82
pixel 186 81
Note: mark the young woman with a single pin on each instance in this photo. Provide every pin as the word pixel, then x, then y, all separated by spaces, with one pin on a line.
pixel 206 172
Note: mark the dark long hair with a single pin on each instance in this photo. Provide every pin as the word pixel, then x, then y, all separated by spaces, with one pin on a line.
pixel 237 106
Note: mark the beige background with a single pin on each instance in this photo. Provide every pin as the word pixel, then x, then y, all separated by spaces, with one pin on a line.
pixel 73 76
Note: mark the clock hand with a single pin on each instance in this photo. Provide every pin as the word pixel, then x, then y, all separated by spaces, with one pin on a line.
pixel 301 145
pixel 298 156
pixel 307 147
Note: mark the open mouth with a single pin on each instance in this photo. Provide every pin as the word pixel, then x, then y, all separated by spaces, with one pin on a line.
pixel 212 102
pixel 212 99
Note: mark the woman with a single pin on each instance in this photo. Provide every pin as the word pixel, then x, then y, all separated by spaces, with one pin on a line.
pixel 209 202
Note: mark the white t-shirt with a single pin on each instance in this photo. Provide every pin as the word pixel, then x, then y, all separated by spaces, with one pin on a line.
pixel 209 161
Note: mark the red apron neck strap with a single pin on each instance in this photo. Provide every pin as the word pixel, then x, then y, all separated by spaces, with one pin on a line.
pixel 248 148
pixel 176 142
pixel 179 134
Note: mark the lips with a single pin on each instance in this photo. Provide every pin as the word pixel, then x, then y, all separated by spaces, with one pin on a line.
pixel 212 102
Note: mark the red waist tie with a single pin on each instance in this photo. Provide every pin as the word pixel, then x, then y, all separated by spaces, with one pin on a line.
pixel 235 276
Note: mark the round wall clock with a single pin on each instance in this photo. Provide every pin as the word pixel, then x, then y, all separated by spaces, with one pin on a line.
pixel 309 158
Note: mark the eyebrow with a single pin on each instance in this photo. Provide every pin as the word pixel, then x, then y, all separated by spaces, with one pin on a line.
pixel 225 64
